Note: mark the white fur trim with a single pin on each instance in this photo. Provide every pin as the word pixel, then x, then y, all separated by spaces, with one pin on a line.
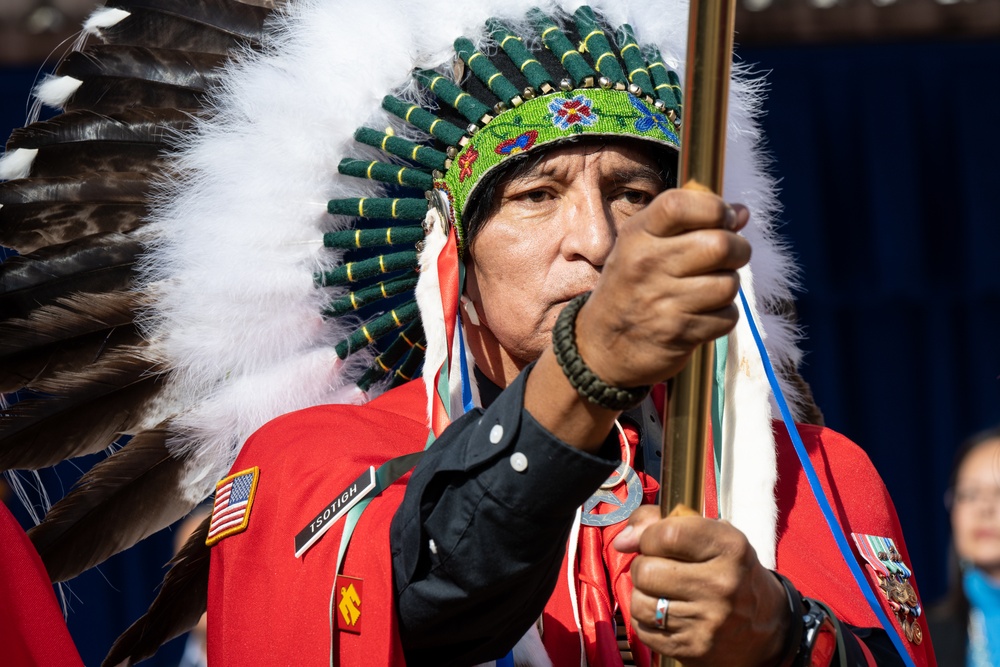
pixel 748 466
pixel 17 163
pixel 55 91
pixel 104 18
pixel 429 301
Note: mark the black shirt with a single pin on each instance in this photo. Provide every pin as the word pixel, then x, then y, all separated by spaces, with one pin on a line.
pixel 479 538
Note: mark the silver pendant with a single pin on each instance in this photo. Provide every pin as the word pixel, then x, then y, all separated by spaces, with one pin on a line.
pixel 622 473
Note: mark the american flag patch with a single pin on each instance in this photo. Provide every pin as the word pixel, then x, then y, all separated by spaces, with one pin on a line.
pixel 233 499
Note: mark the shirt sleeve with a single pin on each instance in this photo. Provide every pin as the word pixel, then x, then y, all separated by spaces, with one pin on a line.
pixel 480 536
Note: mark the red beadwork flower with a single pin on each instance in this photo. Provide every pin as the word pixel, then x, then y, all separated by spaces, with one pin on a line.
pixel 577 110
pixel 519 143
pixel 465 161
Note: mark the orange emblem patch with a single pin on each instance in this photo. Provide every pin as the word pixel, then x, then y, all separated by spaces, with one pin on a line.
pixel 349 608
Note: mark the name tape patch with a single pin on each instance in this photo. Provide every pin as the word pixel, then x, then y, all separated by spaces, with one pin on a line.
pixel 344 501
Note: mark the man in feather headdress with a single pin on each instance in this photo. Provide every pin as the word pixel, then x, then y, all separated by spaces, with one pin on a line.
pixel 545 141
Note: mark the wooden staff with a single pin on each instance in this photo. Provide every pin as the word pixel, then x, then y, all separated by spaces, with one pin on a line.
pixel 702 161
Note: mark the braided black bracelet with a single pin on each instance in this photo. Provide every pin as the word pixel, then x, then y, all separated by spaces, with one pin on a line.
pixel 586 383
pixel 793 640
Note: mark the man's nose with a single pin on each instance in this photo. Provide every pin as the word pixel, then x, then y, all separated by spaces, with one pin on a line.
pixel 589 231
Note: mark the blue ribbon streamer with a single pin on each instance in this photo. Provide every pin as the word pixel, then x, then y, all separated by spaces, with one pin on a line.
pixel 506 661
pixel 467 403
pixel 817 490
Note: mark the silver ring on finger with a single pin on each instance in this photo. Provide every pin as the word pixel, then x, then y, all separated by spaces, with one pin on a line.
pixel 660 618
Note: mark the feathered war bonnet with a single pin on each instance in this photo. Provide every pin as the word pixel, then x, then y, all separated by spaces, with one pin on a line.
pixel 518 85
pixel 279 242
pixel 508 104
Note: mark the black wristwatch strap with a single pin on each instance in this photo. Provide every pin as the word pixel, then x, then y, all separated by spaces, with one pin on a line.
pixel 815 621
pixel 793 640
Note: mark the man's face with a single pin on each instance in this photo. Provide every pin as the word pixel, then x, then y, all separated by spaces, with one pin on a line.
pixel 546 243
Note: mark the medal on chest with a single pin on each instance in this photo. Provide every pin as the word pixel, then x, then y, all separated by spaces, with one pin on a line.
pixel 884 559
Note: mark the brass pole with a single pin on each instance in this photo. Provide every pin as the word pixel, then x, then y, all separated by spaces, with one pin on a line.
pixel 703 144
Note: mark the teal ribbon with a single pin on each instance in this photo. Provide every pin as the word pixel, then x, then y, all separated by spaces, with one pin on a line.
pixel 718 409
pixel 385 476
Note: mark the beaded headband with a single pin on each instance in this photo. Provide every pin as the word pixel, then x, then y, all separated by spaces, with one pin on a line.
pixel 525 95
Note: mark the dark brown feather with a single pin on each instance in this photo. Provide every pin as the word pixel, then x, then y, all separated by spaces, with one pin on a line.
pixel 195 72
pixel 177 608
pixel 110 95
pixel 110 187
pixel 29 227
pixel 109 372
pixel 67 319
pixel 120 501
pixel 136 126
pixel 47 431
pixel 22 369
pixel 98 263
pixel 156 29
pixel 80 407
pixel 95 156
pixel 235 18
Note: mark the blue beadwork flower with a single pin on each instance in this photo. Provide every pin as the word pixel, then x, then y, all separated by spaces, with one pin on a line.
pixel 650 119
pixel 577 110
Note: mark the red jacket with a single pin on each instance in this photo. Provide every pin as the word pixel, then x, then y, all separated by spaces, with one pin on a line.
pixel 268 607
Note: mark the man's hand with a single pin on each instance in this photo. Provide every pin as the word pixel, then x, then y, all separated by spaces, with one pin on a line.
pixel 726 609
pixel 668 286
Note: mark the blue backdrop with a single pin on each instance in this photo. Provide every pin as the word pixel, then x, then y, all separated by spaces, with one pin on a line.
pixel 888 160
pixel 888 156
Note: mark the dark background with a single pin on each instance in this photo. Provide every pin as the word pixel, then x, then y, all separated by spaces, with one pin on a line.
pixel 887 155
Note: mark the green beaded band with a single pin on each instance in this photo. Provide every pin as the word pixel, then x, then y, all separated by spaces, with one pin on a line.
pixel 586 383
pixel 548 119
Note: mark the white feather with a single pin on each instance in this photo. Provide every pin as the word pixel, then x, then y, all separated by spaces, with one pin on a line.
pixel 105 17
pixel 55 91
pixel 748 465
pixel 17 163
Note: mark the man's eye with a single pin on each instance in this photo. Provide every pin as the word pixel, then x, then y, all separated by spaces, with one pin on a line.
pixel 535 196
pixel 635 197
